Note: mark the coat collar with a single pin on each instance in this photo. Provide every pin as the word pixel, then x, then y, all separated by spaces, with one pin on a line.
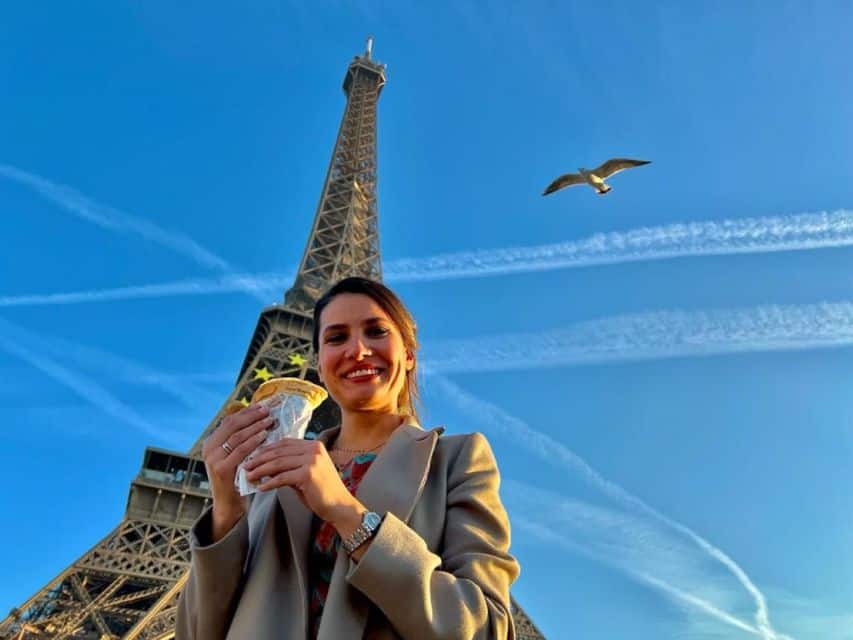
pixel 394 484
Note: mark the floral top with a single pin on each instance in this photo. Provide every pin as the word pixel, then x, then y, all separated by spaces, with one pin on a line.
pixel 326 542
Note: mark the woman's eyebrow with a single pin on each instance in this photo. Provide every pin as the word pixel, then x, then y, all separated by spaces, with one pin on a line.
pixel 333 327
pixel 342 326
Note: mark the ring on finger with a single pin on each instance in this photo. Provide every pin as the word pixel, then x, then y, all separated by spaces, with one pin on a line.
pixel 227 448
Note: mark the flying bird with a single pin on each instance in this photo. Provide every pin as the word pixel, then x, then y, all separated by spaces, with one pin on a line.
pixel 594 177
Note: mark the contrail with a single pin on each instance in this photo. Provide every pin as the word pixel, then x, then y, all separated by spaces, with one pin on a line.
pixel 113 219
pixel 187 389
pixel 184 389
pixel 231 283
pixel 651 336
pixel 634 544
pixel 550 450
pixel 13 340
pixel 552 536
pixel 704 605
pixel 795 232
pixel 120 221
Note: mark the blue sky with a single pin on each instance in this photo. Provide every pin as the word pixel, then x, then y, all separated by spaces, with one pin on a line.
pixel 663 372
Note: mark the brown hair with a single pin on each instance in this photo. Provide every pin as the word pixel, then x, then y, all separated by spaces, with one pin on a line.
pixel 400 316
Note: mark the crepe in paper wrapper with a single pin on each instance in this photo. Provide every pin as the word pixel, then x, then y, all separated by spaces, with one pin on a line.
pixel 291 402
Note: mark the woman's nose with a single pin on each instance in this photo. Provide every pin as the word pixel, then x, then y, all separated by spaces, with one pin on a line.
pixel 358 349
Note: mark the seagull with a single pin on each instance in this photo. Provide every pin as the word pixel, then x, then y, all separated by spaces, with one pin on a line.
pixel 595 177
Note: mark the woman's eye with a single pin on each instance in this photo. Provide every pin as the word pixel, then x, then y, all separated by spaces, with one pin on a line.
pixel 334 338
pixel 377 331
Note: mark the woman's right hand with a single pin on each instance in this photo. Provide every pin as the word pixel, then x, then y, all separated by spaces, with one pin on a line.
pixel 243 431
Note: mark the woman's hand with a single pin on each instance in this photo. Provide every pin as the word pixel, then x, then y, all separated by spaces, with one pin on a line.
pixel 305 466
pixel 243 432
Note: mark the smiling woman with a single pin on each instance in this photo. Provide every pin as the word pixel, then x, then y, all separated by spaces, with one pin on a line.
pixel 378 529
pixel 365 336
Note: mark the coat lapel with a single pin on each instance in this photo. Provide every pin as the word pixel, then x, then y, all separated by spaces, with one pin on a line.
pixel 298 518
pixel 397 477
pixel 393 484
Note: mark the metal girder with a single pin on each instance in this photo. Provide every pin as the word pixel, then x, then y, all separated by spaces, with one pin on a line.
pixel 90 607
pixel 85 604
pixel 524 627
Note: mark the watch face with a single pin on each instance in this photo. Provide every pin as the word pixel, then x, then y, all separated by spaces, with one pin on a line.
pixel 371 520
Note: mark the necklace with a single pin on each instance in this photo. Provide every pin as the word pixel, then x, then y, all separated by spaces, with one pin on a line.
pixel 357 451
pixel 352 454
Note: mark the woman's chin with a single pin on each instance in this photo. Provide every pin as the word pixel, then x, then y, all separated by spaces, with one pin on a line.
pixel 372 395
pixel 367 402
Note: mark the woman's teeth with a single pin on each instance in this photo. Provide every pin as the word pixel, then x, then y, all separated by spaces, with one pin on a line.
pixel 362 372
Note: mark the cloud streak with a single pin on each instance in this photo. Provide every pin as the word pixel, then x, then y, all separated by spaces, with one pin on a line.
pixel 638 547
pixel 651 336
pixel 795 232
pixel 552 451
pixel 119 221
pixel 22 344
pixel 231 283
pixel 183 389
pixel 805 618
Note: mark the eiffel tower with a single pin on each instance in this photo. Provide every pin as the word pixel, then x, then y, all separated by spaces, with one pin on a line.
pixel 127 585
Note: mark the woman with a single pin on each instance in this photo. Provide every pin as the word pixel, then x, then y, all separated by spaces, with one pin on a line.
pixel 417 550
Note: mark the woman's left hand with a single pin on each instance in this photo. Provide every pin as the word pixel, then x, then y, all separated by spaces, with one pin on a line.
pixel 305 466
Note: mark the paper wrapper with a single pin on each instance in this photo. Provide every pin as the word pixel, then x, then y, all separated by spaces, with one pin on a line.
pixel 291 402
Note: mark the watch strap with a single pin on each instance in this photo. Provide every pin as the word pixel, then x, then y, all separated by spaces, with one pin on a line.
pixel 370 522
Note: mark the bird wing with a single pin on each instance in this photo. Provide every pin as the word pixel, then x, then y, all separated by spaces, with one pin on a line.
pixel 615 165
pixel 566 180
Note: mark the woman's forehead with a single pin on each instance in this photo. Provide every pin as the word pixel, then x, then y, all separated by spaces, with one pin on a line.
pixel 351 309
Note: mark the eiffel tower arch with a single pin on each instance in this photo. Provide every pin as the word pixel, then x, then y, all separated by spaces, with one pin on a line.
pixel 127 585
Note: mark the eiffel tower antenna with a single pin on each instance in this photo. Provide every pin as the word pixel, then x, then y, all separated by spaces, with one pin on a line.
pixel 127 585
pixel 344 240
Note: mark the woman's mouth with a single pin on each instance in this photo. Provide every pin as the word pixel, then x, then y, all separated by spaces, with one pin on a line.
pixel 362 374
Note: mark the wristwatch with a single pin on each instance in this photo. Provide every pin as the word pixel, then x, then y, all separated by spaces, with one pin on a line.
pixel 370 522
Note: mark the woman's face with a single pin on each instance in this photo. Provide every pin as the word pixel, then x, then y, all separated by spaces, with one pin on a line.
pixel 362 359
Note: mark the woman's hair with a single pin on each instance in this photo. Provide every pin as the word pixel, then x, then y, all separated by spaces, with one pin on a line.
pixel 400 316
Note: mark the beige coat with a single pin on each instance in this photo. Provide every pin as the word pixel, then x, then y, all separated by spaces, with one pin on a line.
pixel 438 567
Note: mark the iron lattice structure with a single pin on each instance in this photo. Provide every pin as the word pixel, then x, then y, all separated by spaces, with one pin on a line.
pixel 127 586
